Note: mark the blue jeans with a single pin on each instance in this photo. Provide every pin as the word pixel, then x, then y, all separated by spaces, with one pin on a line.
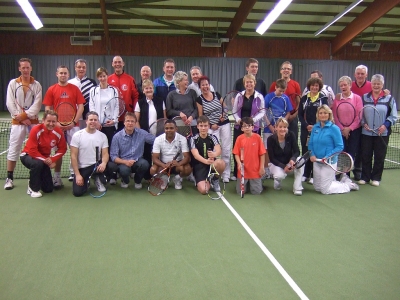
pixel 141 167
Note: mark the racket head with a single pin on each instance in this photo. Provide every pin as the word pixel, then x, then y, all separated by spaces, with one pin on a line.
pixel 157 127
pixel 159 182
pixel 114 107
pixel 66 113
pixel 294 98
pixel 121 106
pixel 182 128
pixel 277 106
pixel 228 102
pixel 24 97
pixel 94 176
pixel 345 113
pixel 370 115
pixel 210 181
pixel 302 160
pixel 341 162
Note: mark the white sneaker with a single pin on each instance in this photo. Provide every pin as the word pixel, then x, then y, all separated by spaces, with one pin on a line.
pixel 138 186
pixel 33 194
pixel 225 180
pixel 178 182
pixel 362 182
pixel 233 178
pixel 9 184
pixel 374 183
pixel 71 177
pixel 124 185
pixel 57 182
pixel 113 181
pixel 277 184
pixel 100 187
pixel 311 181
pixel 353 186
pixel 303 178
pixel 298 192
pixel 191 178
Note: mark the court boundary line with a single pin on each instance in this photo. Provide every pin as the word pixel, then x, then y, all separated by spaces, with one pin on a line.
pixel 264 249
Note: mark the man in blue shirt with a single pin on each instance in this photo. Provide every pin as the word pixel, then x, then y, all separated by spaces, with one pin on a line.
pixel 126 152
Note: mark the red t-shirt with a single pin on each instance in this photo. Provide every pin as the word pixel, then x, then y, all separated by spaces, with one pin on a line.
pixel 293 89
pixel 361 90
pixel 253 149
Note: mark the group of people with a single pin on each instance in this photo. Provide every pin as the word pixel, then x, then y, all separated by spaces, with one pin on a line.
pixel 130 149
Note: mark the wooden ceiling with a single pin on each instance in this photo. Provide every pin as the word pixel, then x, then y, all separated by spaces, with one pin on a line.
pixel 208 18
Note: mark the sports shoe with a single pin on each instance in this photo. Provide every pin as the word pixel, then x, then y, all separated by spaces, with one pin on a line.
pixel 362 182
pixel 57 182
pixel 138 186
pixel 225 180
pixel 374 183
pixel 191 178
pixel 71 177
pixel 267 174
pixel 113 181
pixel 277 184
pixel 124 185
pixel 215 184
pixel 9 184
pixel 32 193
pixel 233 178
pixel 100 187
pixel 178 182
pixel 298 192
pixel 303 178
pixel 353 186
pixel 311 181
pixel 345 179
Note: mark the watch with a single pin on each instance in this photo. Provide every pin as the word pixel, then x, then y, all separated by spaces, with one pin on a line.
pixel 74 122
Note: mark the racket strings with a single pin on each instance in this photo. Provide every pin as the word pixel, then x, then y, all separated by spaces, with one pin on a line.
pixel 158 184
pixel 66 113
pixel 344 163
pixel 346 113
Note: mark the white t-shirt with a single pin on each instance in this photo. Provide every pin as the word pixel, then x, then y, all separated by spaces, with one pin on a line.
pixel 152 110
pixel 168 150
pixel 86 143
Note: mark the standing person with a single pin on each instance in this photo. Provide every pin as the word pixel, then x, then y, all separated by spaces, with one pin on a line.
pixel 127 152
pixel 309 104
pixel 326 140
pixel 127 86
pixel 37 156
pixel 98 99
pixel 293 91
pixel 373 145
pixel 63 91
pixel 165 83
pixel 83 156
pixel 326 89
pixel 84 84
pixel 148 110
pixel 205 149
pixel 24 90
pixel 247 101
pixel 252 69
pixel 351 134
pixel 210 104
pixel 283 151
pixel 195 74
pixel 254 156
pixel 145 73
pixel 165 148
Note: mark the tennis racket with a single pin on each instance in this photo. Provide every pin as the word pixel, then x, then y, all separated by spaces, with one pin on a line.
pixel 371 120
pixel 340 162
pixel 231 105
pixel 96 189
pixel 66 113
pixel 24 98
pixel 242 172
pixel 214 186
pixel 301 160
pixel 113 109
pixel 160 181
pixel 346 113
pixel 183 129
pixel 157 127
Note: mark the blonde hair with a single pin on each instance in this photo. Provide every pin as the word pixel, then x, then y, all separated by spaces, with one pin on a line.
pixel 249 77
pixel 282 120
pixel 147 82
pixel 328 110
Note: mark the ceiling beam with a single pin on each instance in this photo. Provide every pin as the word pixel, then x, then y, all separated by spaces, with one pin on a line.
pixel 241 15
pixel 368 16
pixel 105 24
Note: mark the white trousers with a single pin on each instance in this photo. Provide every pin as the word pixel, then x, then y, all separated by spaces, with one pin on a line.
pixel 325 180
pixel 279 174
pixel 223 133
pixel 18 135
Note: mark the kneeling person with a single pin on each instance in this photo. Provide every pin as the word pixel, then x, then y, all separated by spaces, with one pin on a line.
pixel 83 155
pixel 37 157
pixel 165 147
pixel 205 149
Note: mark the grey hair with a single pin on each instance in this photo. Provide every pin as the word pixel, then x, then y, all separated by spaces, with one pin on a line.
pixel 362 67
pixel 378 77
pixel 80 60
pixel 196 67
pixel 178 77
pixel 345 78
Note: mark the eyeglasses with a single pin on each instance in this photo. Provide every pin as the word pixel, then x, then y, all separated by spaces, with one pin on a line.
pixel 286 69
pixel 247 126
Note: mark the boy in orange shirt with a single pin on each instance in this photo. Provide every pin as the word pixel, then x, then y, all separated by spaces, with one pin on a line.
pixel 254 157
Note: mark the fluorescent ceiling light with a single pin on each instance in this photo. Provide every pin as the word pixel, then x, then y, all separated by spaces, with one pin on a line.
pixel 349 8
pixel 272 16
pixel 30 13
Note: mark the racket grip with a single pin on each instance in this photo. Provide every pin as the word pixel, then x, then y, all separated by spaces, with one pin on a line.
pixel 97 154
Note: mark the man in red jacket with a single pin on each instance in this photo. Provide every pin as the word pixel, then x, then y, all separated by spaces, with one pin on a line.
pixel 37 156
pixel 126 84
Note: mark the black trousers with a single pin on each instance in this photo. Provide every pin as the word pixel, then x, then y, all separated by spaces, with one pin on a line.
pixel 373 146
pixel 39 174
pixel 352 146
pixel 308 167
pixel 77 190
pixel 294 127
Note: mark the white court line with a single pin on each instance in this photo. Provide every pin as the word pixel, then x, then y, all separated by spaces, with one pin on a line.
pixel 264 249
pixel 392 161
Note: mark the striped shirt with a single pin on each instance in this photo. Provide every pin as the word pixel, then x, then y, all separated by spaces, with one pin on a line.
pixel 84 84
pixel 212 109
